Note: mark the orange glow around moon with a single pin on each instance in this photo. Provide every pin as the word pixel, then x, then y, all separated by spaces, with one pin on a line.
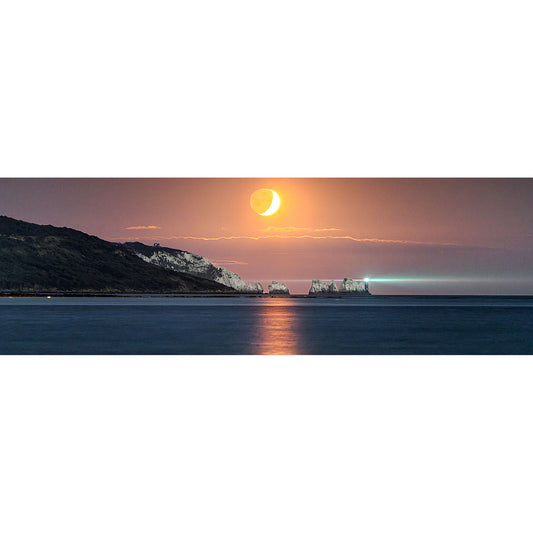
pixel 265 202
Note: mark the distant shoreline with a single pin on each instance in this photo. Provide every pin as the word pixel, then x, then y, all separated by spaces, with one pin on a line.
pixel 174 295
pixel 265 295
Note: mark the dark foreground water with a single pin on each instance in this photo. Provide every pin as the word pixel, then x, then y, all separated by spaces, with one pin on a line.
pixel 247 325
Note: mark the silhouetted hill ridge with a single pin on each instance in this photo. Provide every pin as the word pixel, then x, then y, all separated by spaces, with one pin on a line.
pixel 45 258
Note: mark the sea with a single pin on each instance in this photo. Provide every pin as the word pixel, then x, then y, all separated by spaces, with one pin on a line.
pixel 265 325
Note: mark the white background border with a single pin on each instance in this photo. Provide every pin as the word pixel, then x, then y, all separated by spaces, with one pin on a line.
pixel 284 88
pixel 241 444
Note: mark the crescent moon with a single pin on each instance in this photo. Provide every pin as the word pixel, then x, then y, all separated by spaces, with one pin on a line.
pixel 274 206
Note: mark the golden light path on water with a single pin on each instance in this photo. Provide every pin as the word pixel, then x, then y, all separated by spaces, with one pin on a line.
pixel 276 328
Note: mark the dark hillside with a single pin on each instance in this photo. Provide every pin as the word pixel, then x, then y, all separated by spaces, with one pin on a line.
pixel 35 258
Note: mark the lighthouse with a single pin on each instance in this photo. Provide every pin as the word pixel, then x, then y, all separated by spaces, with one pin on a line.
pixel 366 280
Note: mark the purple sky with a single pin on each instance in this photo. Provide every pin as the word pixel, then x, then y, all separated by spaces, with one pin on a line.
pixel 432 236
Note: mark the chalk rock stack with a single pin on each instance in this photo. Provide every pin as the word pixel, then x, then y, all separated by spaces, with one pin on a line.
pixel 253 288
pixel 323 287
pixel 278 288
pixel 351 286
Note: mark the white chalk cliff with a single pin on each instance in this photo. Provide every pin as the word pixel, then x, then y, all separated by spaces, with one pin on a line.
pixel 351 286
pixel 278 288
pixel 182 261
pixel 323 287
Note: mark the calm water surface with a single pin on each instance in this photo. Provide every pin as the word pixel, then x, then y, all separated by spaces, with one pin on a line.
pixel 248 325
